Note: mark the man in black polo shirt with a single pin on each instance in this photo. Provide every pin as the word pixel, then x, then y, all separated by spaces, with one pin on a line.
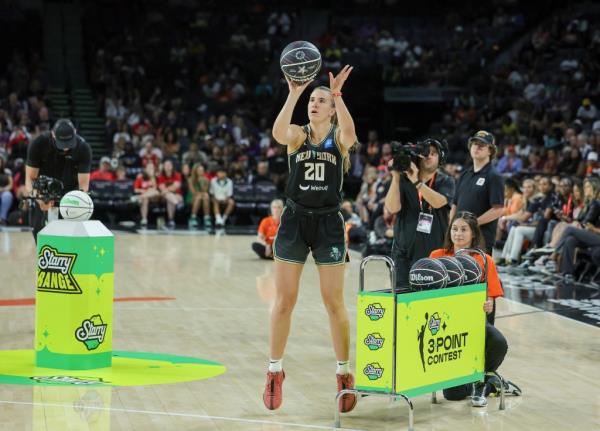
pixel 480 189
pixel 60 154
pixel 420 198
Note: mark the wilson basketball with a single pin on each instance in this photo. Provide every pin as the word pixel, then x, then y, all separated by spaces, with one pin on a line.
pixel 300 61
pixel 76 205
pixel 472 269
pixel 456 272
pixel 427 274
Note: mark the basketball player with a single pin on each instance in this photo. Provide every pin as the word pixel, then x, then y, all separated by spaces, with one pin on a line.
pixel 312 222
pixel 61 154
pixel 464 232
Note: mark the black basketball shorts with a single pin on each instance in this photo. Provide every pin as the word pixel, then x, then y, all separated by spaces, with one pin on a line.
pixel 299 233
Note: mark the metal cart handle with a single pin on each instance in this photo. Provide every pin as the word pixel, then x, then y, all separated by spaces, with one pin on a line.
pixel 391 268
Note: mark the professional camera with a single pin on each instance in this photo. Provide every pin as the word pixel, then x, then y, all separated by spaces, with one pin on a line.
pixel 403 154
pixel 47 189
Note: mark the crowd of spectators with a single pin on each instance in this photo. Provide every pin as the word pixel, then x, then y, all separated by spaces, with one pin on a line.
pixel 430 51
pixel 189 96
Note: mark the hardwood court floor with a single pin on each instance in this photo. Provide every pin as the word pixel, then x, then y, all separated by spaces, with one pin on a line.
pixel 221 313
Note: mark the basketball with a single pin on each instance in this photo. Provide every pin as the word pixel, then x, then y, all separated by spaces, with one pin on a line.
pixel 427 274
pixel 472 269
pixel 76 205
pixel 456 272
pixel 300 61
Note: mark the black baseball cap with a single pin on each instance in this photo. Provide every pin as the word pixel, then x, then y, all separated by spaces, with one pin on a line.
pixel 64 134
pixel 483 136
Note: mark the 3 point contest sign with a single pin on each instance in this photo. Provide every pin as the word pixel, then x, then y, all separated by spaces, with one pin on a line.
pixel 440 339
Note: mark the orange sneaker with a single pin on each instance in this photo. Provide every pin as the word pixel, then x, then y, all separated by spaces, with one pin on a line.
pixel 348 401
pixel 273 394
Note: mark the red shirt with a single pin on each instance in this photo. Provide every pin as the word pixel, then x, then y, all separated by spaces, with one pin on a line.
pixel 494 288
pixel 268 228
pixel 142 184
pixel 102 176
pixel 167 181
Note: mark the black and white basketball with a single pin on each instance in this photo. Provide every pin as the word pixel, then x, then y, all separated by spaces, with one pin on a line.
pixel 300 61
pixel 427 274
pixel 456 272
pixel 472 269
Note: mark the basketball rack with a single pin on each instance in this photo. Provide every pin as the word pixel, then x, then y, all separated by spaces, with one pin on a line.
pixel 392 395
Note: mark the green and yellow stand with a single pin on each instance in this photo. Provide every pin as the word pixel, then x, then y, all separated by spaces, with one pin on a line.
pixel 74 296
pixel 415 343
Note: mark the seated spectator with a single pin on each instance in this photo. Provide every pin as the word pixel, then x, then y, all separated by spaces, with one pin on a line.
pixel 221 190
pixel 510 163
pixel 591 189
pixel 145 188
pixel 198 185
pixel 511 252
pixel 169 185
pixel 131 160
pixel 355 231
pixel 267 230
pixel 513 202
pixel 103 173
pixel 194 155
pixel 6 196
pixel 573 237
pixel 365 193
pixel 561 210
pixel 587 113
pixel 262 173
pixel 149 153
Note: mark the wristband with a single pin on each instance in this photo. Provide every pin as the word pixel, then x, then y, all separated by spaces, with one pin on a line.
pixel 418 183
pixel 336 94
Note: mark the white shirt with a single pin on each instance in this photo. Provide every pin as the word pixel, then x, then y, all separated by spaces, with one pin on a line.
pixel 221 189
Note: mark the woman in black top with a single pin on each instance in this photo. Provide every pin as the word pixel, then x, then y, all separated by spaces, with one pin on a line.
pixel 311 221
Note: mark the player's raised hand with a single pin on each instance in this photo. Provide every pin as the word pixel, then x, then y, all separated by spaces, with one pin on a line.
pixel 337 82
pixel 297 87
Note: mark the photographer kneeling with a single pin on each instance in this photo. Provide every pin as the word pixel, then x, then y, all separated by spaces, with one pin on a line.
pixel 55 157
pixel 420 194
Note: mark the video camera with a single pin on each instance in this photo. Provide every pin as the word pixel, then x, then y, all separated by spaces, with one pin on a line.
pixel 47 189
pixel 404 154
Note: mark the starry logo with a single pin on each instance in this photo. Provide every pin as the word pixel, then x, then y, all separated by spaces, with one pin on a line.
pixel 373 371
pixel 54 271
pixel 374 341
pixel 434 323
pixel 375 311
pixel 67 380
pixel 91 332
pixel 302 70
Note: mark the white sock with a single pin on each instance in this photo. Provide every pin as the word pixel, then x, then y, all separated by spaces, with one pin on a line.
pixel 224 218
pixel 343 367
pixel 275 365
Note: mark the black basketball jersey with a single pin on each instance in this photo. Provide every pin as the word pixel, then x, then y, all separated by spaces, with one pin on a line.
pixel 316 172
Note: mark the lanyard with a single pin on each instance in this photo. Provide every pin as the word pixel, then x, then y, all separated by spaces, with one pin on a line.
pixel 431 181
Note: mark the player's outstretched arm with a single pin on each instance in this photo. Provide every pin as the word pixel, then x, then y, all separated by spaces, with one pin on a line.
pixel 284 132
pixel 345 121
